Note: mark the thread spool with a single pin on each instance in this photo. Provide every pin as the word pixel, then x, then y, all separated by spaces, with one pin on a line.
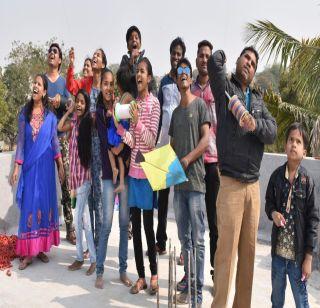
pixel 122 111
pixel 237 109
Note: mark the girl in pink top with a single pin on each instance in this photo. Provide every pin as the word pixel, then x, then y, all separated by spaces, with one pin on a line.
pixel 141 136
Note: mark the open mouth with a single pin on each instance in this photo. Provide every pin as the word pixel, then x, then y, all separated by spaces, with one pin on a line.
pixel 139 81
pixel 35 91
pixel 183 78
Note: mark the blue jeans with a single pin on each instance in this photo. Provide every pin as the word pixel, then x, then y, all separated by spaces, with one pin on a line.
pixel 280 268
pixel 82 221
pixel 189 209
pixel 108 206
pixel 95 203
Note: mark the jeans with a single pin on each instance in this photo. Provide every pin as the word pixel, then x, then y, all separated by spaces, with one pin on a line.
pixel 95 202
pixel 108 207
pixel 189 207
pixel 280 268
pixel 82 221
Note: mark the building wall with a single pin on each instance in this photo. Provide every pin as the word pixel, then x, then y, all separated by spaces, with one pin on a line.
pixel 9 213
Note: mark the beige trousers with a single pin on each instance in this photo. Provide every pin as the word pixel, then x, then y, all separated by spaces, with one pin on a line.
pixel 238 210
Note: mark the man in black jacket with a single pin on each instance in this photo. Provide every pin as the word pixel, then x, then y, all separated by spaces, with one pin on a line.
pixel 240 150
pixel 130 61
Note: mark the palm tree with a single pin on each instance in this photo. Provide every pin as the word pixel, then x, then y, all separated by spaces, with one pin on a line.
pixel 301 61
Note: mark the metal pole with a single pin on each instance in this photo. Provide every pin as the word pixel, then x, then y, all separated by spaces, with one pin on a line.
pixel 195 276
pixel 158 298
pixel 189 278
pixel 170 277
pixel 175 277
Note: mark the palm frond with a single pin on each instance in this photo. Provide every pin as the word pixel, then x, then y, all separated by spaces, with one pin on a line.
pixel 286 113
pixel 270 40
pixel 301 58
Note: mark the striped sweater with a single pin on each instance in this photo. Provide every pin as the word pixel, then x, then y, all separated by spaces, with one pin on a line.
pixel 142 136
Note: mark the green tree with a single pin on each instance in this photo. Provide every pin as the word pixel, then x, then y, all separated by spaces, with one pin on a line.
pixel 269 78
pixel 25 61
pixel 299 86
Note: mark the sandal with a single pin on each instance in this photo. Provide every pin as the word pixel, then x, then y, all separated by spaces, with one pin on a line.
pixel 154 286
pixel 125 280
pixel 138 286
pixel 25 263
pixel 43 257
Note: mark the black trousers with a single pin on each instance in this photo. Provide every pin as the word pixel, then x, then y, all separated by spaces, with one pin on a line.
pixel 137 240
pixel 212 187
pixel 162 218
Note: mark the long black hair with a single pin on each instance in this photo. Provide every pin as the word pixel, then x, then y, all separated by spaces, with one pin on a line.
pixel 29 106
pixel 84 136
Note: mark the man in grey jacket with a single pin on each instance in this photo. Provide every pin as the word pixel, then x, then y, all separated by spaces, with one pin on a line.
pixel 240 148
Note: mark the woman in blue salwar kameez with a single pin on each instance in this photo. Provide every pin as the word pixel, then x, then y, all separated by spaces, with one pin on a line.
pixel 37 149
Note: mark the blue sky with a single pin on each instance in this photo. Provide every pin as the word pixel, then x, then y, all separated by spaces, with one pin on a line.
pixel 87 25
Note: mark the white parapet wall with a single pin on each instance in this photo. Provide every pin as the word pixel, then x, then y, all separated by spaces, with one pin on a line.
pixel 9 214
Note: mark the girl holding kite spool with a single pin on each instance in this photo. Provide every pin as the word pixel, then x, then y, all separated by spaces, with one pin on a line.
pixel 141 136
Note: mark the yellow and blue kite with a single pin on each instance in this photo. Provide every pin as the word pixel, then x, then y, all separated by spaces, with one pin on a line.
pixel 162 167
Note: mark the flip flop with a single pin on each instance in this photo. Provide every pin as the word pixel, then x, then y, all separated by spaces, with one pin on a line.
pixel 24 264
pixel 43 257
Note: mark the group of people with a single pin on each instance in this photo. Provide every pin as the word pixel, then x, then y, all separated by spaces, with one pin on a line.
pixel 217 126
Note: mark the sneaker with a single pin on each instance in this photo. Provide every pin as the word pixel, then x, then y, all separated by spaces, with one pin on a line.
pixel 182 284
pixel 181 298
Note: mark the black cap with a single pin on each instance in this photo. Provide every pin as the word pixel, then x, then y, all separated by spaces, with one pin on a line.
pixel 130 30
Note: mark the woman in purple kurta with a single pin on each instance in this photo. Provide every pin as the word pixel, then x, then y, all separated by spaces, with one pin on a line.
pixel 37 149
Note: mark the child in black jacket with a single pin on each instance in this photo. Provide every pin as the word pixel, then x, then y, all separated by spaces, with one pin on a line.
pixel 290 204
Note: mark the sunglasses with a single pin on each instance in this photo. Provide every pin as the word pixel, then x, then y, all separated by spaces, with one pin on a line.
pixel 54 50
pixel 184 70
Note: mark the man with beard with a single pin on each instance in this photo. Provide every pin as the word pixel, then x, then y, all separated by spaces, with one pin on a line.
pixel 58 96
pixel 201 88
pixel 240 150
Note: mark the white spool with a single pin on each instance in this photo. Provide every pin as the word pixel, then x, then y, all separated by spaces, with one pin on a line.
pixel 122 111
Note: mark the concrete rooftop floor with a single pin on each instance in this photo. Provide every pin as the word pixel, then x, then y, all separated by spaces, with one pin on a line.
pixel 52 285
